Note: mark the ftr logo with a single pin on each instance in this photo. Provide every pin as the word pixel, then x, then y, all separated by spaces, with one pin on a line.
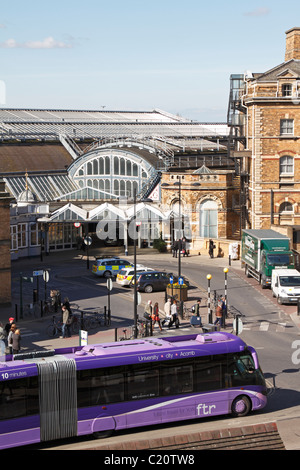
pixel 205 409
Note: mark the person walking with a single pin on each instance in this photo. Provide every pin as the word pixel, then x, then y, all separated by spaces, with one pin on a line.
pixel 13 328
pixel 66 330
pixel 155 316
pixel 219 314
pixel 174 315
pixel 3 337
pixel 211 248
pixel 167 312
pixel 175 248
pixel 16 341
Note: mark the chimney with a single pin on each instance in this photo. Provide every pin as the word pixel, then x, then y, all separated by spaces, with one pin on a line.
pixel 292 48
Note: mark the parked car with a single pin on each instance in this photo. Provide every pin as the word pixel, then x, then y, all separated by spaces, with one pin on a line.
pixel 154 281
pixel 109 267
pixel 124 277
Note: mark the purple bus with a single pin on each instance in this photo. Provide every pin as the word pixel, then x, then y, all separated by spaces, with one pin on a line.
pixel 98 389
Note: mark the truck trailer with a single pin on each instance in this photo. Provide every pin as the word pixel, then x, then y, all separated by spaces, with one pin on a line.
pixel 265 250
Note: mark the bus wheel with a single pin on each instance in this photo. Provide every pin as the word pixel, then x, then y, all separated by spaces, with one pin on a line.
pixel 241 406
pixel 103 434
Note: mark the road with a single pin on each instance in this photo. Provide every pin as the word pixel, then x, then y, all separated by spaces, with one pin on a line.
pixel 270 328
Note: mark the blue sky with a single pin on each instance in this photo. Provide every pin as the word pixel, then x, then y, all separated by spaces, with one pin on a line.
pixel 137 55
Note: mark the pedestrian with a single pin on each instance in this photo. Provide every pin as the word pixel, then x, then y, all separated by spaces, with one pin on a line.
pixel 148 311
pixel 8 325
pixel 3 337
pixel 175 248
pixel 219 314
pixel 155 316
pixel 184 247
pixel 66 303
pixel 174 315
pixel 13 328
pixel 66 330
pixel 16 341
pixel 196 308
pixel 211 248
pixel 167 312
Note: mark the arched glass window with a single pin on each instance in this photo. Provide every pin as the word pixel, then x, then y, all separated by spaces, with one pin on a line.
pixel 122 166
pixel 95 167
pixel 101 166
pixel 208 219
pixel 286 207
pixel 116 187
pixel 128 167
pixel 116 165
pixel 89 168
pixel 107 165
pixel 134 169
pixel 286 165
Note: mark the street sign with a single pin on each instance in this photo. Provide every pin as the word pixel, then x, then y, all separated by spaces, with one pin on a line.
pixel 87 240
pixel 180 281
pixel 171 279
pixel 38 273
pixel 83 338
pixel 109 284
pixel 46 276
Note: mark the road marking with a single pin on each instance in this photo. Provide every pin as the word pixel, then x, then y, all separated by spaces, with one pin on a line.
pixel 264 326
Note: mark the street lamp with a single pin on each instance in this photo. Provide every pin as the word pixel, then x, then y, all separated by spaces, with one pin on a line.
pixel 136 228
pixel 208 277
pixel 225 295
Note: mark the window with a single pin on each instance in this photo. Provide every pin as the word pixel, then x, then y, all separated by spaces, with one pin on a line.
pixel 34 235
pixel 209 219
pixel 19 398
pixel 287 126
pixel 14 237
pixel 286 207
pixel 22 235
pixel 286 164
pixel 287 89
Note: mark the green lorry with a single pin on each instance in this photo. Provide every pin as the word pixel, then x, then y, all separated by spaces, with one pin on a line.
pixel 264 250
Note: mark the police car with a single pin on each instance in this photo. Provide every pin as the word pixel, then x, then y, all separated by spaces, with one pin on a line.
pixel 109 267
pixel 125 276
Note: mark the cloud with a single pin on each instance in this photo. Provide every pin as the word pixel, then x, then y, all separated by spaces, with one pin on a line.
pixel 47 43
pixel 261 11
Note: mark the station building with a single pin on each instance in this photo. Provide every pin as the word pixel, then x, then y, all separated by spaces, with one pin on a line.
pixel 76 173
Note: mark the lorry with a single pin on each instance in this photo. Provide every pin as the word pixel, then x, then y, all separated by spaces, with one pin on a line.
pixel 264 250
pixel 285 285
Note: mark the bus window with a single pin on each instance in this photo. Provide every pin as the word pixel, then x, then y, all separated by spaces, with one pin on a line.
pixel 176 379
pixel 207 376
pixel 19 398
pixel 142 383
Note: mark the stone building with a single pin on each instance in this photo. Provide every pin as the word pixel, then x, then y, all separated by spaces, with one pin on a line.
pixel 264 117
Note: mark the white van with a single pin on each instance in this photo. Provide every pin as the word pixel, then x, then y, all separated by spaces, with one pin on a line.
pixel 285 285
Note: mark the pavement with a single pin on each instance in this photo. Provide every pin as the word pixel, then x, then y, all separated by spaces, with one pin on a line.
pixel 73 264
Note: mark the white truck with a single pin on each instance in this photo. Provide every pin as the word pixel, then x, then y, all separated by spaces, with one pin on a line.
pixel 285 285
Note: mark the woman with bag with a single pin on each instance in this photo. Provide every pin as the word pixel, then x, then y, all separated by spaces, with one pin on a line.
pixel 155 316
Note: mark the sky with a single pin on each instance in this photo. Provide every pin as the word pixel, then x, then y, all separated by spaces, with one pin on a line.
pixel 137 55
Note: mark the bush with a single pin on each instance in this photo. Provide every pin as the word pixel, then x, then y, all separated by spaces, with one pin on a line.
pixel 160 245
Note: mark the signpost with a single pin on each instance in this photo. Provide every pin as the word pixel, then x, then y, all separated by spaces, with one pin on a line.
pixel 109 285
pixel 87 241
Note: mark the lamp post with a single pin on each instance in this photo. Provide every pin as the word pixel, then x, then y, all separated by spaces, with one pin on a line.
pixel 208 277
pixel 225 295
pixel 136 228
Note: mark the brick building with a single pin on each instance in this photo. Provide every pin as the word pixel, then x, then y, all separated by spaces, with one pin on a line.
pixel 5 261
pixel 264 116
